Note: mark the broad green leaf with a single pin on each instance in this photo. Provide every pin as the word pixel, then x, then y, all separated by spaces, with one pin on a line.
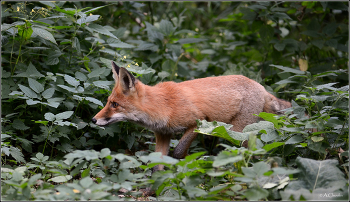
pixel 317 138
pixel 71 80
pixel 104 84
pixel 48 93
pixel 147 46
pixel 208 51
pixel 70 89
pixel 279 46
pixel 185 31
pixel 80 76
pixel 247 14
pixel 64 115
pixel 255 128
pixel 295 139
pixel 166 27
pixel 17 154
pixel 88 19
pixel 121 45
pixel 76 44
pixel 102 30
pixel 97 72
pixel 33 180
pixel 105 152
pixel 60 179
pixel 19 125
pixel 226 157
pixel 270 117
pixel 36 86
pixel 319 177
pixel 287 69
pixel 268 147
pixel 330 28
pixel 256 193
pixel 44 34
pixel 318 43
pixel 190 40
pixel 190 158
pixel 85 173
pixel 28 92
pixel 281 16
pixel 32 102
pixel 94 100
pixel 49 116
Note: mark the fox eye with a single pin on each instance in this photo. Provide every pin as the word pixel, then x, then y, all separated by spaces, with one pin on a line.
pixel 114 104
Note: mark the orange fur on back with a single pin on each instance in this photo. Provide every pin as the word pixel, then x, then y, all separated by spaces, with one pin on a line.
pixel 170 107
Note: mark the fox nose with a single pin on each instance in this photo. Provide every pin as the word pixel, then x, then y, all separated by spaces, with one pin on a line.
pixel 93 120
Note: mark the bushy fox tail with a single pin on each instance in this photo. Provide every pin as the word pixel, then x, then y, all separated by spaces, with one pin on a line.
pixel 274 105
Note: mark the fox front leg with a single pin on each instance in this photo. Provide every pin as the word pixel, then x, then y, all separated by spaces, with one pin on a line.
pixel 162 145
pixel 181 149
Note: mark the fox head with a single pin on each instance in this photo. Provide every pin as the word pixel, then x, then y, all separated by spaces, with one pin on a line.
pixel 121 104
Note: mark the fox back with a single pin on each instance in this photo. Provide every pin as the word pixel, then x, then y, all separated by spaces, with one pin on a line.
pixel 170 107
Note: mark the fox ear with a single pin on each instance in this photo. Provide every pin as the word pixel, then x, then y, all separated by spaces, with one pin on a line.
pixel 126 80
pixel 115 70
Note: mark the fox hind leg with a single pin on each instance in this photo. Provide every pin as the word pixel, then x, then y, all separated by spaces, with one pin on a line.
pixel 181 149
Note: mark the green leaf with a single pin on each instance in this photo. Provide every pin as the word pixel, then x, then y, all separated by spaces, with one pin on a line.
pixel 90 18
pixel 279 46
pixel 317 138
pixel 19 125
pixel 255 128
pixel 318 43
pixel 36 86
pixel 266 34
pixel 33 180
pixel 85 173
pixel 48 93
pixel 70 89
pixel 319 177
pixel 97 72
pixel 44 34
pixel 60 179
pixel 190 158
pixel 64 115
pixel 30 72
pixel 295 139
pixel 80 76
pixel 226 157
pixel 76 44
pixel 94 100
pixel 260 168
pixel 268 147
pixel 102 30
pixel 121 45
pixel 17 154
pixel 190 40
pixel 281 16
pixel 105 152
pixel 71 80
pixel 49 116
pixel 248 14
pixel 287 69
pixel 270 117
pixel 147 46
pixel 256 193
pixel 166 27
pixel 330 29
pixel 86 182
pixel 27 91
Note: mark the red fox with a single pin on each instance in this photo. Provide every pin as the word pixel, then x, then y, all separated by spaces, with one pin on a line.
pixel 170 107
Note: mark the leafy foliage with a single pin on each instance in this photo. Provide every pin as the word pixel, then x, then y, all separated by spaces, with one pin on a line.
pixel 56 74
